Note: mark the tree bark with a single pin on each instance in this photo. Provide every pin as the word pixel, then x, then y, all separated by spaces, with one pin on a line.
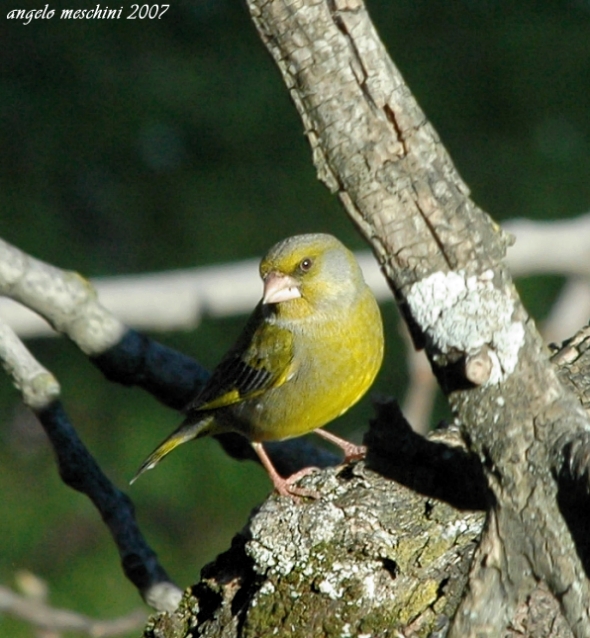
pixel 479 529
pixel 385 552
pixel 443 258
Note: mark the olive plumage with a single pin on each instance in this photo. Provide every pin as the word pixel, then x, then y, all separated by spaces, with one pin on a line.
pixel 310 350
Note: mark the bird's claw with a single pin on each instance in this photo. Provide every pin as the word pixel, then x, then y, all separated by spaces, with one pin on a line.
pixel 354 452
pixel 286 487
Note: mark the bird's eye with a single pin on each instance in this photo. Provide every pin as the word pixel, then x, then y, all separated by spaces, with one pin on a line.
pixel 306 264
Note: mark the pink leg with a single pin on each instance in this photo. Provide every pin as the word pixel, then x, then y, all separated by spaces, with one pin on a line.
pixel 352 452
pixel 284 486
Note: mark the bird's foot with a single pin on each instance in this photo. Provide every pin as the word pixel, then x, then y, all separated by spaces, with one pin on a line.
pixel 286 487
pixel 352 451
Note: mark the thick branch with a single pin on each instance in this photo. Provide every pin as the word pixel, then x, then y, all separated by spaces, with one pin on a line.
pixel 373 146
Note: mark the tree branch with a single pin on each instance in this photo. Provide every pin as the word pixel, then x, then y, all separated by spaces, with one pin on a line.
pixel 41 615
pixel 442 255
pixel 177 300
pixel 69 303
pixel 80 471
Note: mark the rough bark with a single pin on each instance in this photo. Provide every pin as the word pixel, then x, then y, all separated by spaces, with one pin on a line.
pixel 372 557
pixel 389 547
pixel 442 255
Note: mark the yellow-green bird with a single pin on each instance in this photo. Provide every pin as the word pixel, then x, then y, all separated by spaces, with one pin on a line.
pixel 310 350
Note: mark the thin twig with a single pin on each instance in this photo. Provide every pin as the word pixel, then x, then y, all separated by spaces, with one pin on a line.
pixel 48 618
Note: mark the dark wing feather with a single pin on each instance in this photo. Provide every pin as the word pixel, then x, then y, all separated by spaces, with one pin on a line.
pixel 261 359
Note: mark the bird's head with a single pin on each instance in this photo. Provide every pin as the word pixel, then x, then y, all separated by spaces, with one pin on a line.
pixel 311 272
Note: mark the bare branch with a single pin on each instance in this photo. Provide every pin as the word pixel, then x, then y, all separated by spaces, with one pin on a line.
pixel 177 300
pixel 557 247
pixel 443 256
pixel 422 388
pixel 45 617
pixel 65 299
pixel 80 471
pixel 570 311
pixel 69 303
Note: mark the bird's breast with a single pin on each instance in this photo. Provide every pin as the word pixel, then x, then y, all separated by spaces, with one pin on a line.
pixel 334 363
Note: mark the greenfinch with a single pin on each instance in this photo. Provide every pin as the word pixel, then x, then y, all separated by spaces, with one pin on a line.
pixel 309 351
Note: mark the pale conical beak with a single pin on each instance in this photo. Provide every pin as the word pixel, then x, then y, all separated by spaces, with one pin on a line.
pixel 279 288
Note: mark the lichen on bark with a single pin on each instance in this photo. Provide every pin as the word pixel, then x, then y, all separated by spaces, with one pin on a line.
pixel 368 558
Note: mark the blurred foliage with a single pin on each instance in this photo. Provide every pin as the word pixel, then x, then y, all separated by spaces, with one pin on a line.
pixel 132 146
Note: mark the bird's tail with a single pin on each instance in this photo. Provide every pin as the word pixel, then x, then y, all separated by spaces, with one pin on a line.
pixel 188 430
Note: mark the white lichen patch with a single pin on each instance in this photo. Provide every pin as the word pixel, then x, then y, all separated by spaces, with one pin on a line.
pixel 460 526
pixel 339 577
pixel 267 588
pixel 330 588
pixel 369 586
pixel 464 313
pixel 298 535
pixel 346 631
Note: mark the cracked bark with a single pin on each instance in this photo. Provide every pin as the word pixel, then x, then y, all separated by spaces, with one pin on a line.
pixel 442 256
pixel 374 556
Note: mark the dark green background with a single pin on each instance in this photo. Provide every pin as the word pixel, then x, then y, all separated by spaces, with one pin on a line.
pixel 133 146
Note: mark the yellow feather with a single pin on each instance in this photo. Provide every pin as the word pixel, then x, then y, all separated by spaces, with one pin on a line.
pixel 299 362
